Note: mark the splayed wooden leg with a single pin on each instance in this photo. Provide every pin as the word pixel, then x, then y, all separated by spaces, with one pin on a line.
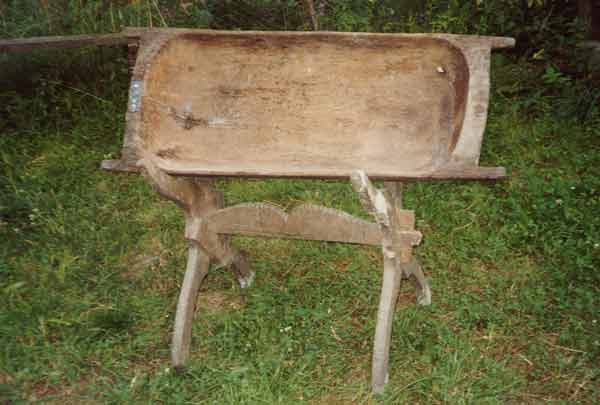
pixel 197 268
pixel 398 238
pixel 385 316
pixel 198 198
pixel 240 266
pixel 413 271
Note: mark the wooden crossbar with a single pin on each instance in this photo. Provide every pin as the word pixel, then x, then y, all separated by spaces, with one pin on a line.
pixel 306 222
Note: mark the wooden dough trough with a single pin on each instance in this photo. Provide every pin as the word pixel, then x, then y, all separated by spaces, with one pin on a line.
pixel 355 106
pixel 320 105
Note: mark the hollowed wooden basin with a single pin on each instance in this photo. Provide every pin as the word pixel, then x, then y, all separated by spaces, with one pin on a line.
pixel 281 104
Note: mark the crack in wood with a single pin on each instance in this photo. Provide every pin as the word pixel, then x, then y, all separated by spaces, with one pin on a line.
pixel 186 120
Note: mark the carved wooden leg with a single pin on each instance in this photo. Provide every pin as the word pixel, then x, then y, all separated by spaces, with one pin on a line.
pixel 240 266
pixel 220 249
pixel 383 332
pixel 197 198
pixel 374 202
pixel 413 271
pixel 398 238
pixel 392 278
pixel 197 267
pixel 403 220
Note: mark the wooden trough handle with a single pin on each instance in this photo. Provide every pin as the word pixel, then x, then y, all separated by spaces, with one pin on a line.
pixel 21 45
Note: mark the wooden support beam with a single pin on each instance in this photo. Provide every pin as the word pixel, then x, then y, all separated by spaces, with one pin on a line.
pixel 306 221
pixel 375 202
pixel 197 198
pixel 70 41
pixel 455 173
pixel 398 238
pixel 197 267
pixel 413 271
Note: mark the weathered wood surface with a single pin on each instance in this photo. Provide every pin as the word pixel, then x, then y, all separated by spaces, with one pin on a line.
pixel 398 239
pixel 459 161
pixel 375 202
pixel 198 198
pixel 412 270
pixel 396 229
pixel 390 286
pixel 291 104
pixel 132 35
pixel 445 173
pixel 302 105
pixel 306 221
pixel 404 219
pixel 21 45
pixel 198 264
pixel 313 105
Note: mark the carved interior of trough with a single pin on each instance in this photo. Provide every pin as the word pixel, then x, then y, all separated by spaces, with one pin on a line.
pixel 314 106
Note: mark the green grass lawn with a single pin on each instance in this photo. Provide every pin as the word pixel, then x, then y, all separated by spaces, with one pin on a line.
pixel 91 264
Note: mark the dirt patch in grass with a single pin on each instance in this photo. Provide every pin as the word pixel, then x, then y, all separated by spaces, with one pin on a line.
pixel 406 296
pixel 147 256
pixel 6 379
pixel 333 399
pixel 216 301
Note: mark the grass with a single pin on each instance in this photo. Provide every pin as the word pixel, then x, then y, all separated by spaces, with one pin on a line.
pixel 91 264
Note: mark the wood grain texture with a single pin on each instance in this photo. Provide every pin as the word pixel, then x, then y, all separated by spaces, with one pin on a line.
pixel 21 45
pixel 199 198
pixel 197 267
pixel 321 106
pixel 390 286
pixel 422 288
pixel 463 173
pixel 306 221
pixel 398 238
pixel 467 145
pixel 283 104
pixel 133 146
pixel 384 209
pixel 471 97
pixel 402 219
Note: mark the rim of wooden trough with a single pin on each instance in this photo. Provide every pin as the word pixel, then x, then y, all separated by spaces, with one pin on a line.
pixel 131 35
